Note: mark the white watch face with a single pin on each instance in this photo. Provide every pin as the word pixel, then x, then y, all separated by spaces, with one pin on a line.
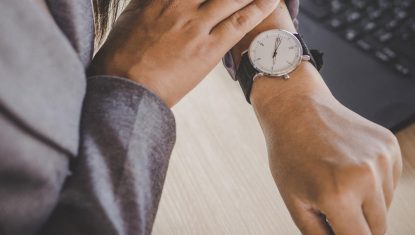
pixel 275 52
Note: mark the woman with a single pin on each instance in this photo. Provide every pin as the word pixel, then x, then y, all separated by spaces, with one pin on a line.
pixel 118 161
pixel 88 154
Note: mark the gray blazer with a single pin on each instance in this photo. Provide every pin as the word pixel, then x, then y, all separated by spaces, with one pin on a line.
pixel 78 155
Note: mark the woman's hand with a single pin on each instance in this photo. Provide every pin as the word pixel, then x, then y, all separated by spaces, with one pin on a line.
pixel 325 159
pixel 170 47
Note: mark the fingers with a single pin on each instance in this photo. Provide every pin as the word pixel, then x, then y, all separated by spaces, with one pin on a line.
pixel 375 211
pixel 215 11
pixel 309 221
pixel 390 168
pixel 388 184
pixel 230 31
pixel 347 218
pixel 388 189
pixel 397 168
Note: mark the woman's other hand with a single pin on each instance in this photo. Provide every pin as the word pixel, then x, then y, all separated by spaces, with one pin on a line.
pixel 170 47
pixel 326 159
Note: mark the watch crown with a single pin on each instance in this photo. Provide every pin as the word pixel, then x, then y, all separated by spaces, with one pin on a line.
pixel 286 77
pixel 306 58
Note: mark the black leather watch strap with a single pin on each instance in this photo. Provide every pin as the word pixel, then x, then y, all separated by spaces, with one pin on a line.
pixel 245 75
pixel 316 56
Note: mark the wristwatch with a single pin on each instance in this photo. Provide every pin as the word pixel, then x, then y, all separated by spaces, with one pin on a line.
pixel 274 53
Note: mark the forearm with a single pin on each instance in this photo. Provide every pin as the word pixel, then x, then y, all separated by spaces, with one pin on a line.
pixel 277 101
pixel 271 97
pixel 321 153
pixel 127 135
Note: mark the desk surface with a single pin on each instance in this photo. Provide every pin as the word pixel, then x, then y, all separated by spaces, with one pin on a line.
pixel 219 182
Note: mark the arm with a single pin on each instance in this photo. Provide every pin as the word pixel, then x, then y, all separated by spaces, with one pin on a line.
pixel 168 38
pixel 127 131
pixel 126 139
pixel 32 172
pixel 327 161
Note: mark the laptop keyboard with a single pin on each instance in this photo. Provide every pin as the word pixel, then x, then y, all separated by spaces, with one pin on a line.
pixel 384 29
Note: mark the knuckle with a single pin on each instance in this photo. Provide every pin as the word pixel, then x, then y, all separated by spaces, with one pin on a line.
pixel 389 153
pixel 200 49
pixel 383 161
pixel 374 174
pixel 398 167
pixel 391 139
pixel 239 20
pixel 170 7
pixel 333 199
pixel 395 150
pixel 187 25
pixel 334 194
pixel 266 5
pixel 192 27
pixel 241 2
pixel 367 174
pixel 380 229
pixel 385 138
pixel 346 182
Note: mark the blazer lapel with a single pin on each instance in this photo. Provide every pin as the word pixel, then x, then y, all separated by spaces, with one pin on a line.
pixel 75 19
pixel 42 80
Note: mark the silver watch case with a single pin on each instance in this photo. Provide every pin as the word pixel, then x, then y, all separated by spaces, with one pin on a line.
pixel 283 74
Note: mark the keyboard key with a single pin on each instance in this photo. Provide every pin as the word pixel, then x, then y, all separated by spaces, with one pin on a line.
pixel 374 13
pixel 364 45
pixel 382 57
pixel 359 4
pixel 314 9
pixel 389 52
pixel 336 23
pixel 352 17
pixel 402 69
pixel 400 14
pixel 383 36
pixel 384 29
pixel 384 4
pixel 351 34
pixel 337 7
pixel 392 25
pixel 368 26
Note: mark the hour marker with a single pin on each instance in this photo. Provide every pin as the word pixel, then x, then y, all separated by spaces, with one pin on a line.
pixel 262 44
pixel 291 48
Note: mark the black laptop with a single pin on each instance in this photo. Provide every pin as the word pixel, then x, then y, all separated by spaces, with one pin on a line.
pixel 369 48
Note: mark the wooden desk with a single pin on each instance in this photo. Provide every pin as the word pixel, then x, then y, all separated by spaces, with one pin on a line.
pixel 218 181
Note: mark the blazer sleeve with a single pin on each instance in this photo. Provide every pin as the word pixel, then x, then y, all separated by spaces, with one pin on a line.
pixel 127 135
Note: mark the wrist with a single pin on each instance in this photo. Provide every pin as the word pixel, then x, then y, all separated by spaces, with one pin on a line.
pixel 279 19
pixel 276 100
pixel 102 65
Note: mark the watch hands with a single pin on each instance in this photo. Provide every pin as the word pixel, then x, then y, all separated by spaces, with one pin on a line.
pixel 274 56
pixel 277 45
pixel 273 63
